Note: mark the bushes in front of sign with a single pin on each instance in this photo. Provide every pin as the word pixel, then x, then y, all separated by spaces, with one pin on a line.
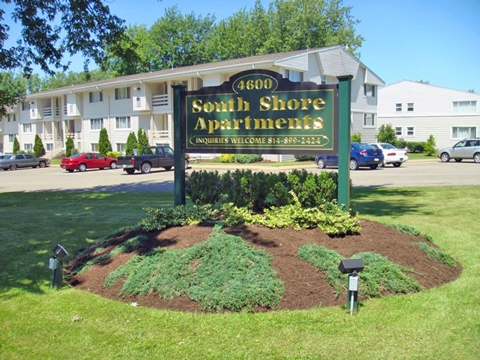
pixel 258 190
pixel 240 158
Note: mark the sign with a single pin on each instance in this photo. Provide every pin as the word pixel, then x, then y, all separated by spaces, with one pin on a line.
pixel 257 111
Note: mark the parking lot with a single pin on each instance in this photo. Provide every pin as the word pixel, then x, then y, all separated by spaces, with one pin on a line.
pixel 53 178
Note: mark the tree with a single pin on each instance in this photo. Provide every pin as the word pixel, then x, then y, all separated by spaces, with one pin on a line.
pixel 430 148
pixel 16 145
pixel 38 148
pixel 132 144
pixel 69 147
pixel 52 29
pixel 104 145
pixel 13 88
pixel 142 139
pixel 386 133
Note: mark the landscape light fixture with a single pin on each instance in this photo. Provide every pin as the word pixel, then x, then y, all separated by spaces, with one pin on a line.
pixel 56 265
pixel 352 267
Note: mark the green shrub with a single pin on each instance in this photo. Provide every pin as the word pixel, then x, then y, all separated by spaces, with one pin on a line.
pixel 161 218
pixel 227 158
pixel 430 148
pixel 304 157
pixel 248 158
pixel 69 146
pixel 104 145
pixel 114 154
pixel 356 137
pixel 38 149
pixel 222 273
pixel 435 253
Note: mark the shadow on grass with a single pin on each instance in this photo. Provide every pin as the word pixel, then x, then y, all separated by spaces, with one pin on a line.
pixel 366 200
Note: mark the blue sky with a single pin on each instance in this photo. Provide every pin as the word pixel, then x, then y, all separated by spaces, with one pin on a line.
pixel 430 40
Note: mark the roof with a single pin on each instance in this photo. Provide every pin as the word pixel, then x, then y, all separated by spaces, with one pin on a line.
pixel 286 59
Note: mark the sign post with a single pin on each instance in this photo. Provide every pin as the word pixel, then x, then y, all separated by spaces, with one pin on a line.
pixel 179 191
pixel 344 96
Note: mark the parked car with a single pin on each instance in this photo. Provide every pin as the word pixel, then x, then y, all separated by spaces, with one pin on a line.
pixel 160 156
pixel 361 155
pixel 15 161
pixel 88 160
pixel 391 154
pixel 468 148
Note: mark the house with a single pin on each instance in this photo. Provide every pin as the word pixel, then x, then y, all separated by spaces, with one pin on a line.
pixel 127 103
pixel 417 110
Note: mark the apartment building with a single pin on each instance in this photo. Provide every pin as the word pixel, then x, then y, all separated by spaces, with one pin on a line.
pixel 127 103
pixel 417 110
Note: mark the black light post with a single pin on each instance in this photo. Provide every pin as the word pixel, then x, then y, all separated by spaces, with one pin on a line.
pixel 352 267
pixel 56 265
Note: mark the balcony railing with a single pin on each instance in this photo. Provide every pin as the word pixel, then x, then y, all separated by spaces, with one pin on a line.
pixel 47 136
pixel 160 100
pixel 48 111
pixel 159 134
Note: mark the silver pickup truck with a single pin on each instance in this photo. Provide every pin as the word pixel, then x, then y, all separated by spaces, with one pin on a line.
pixel 150 157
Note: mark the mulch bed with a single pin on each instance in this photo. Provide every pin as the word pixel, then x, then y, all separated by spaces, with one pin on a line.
pixel 305 286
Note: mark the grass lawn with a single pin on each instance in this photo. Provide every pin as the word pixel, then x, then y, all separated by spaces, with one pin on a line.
pixel 38 322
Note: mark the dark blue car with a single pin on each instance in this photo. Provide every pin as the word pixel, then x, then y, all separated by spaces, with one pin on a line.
pixel 361 155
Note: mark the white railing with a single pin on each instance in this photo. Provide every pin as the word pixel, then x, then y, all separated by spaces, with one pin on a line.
pixel 47 111
pixel 157 134
pixel 47 136
pixel 160 100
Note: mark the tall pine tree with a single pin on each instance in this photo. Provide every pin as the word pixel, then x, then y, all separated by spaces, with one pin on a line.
pixel 104 145
pixel 38 148
pixel 132 144
pixel 16 146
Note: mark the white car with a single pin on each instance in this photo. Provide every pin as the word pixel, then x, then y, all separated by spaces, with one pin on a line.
pixel 391 154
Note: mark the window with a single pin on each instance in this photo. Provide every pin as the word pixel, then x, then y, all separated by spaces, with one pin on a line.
pixel 121 147
pixel 398 131
pixel 49 146
pixel 11 117
pixel 96 96
pixel 27 128
pixel 94 146
pixel 122 93
pixel 11 138
pixel 123 122
pixel 410 107
pixel 292 75
pixel 369 90
pixel 25 106
pixel 464 106
pixel 398 107
pixel 368 120
pixel 410 131
pixel 462 132
pixel 96 124
pixel 28 147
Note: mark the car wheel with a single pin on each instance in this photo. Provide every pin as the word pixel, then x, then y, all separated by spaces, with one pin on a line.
pixel 353 164
pixel 445 157
pixel 321 164
pixel 373 167
pixel 42 164
pixel 13 167
pixel 113 165
pixel 146 167
pixel 69 170
pixel 458 160
pixel 82 167
pixel 476 158
pixel 130 171
pixel 168 168
pixel 397 164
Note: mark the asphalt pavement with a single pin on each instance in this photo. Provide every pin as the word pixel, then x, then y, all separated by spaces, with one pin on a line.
pixel 413 173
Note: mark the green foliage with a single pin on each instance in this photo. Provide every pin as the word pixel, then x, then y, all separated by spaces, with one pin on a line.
pixel 185 40
pixel 405 229
pixel 417 147
pixel 386 133
pixel 69 146
pixel 158 219
pixel 326 261
pixel 16 145
pixel 227 158
pixel 259 190
pixel 13 89
pixel 430 148
pixel 247 158
pixel 132 144
pixel 436 253
pixel 142 139
pixel 328 217
pixel 356 137
pixel 104 145
pixel 381 275
pixel 114 154
pixel 304 157
pixel 38 148
pixel 222 273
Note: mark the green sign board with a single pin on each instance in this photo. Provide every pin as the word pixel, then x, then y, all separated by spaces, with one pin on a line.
pixel 257 111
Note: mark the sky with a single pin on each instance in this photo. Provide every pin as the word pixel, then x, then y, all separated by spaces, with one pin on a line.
pixel 430 40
